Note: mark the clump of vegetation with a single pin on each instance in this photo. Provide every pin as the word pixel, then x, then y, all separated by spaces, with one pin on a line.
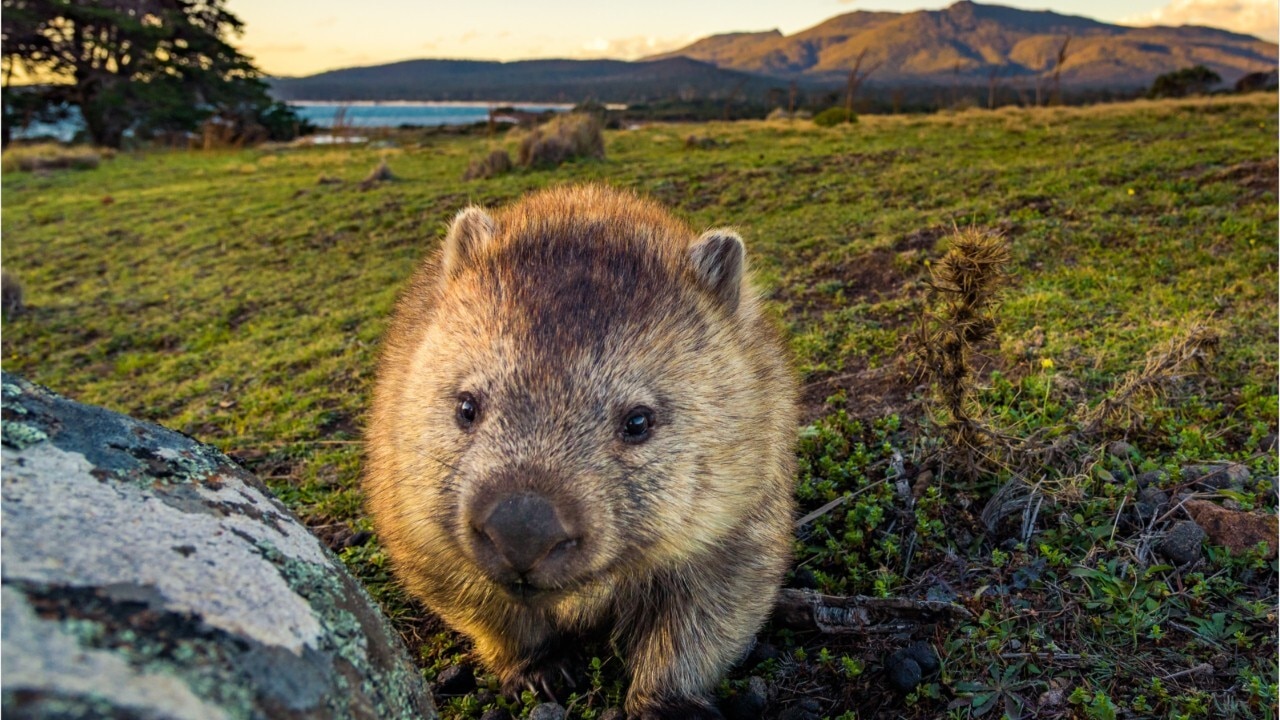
pixel 10 296
pixel 965 281
pixel 701 142
pixel 51 156
pixel 1196 80
pixel 566 137
pixel 497 162
pixel 380 174
pixel 834 116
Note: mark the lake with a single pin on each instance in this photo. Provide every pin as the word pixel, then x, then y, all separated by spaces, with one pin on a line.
pixel 395 114
pixel 357 114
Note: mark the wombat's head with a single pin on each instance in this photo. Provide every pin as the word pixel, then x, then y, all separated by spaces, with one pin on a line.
pixel 581 399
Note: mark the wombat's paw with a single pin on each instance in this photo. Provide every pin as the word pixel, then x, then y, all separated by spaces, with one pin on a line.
pixel 680 709
pixel 551 678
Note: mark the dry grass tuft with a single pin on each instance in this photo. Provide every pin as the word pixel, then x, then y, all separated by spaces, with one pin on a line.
pixel 380 174
pixel 1164 366
pixel 497 163
pixel 564 138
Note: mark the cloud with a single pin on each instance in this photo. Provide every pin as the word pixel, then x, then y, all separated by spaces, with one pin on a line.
pixel 1251 17
pixel 630 48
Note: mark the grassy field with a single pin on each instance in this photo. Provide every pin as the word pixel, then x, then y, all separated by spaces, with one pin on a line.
pixel 232 296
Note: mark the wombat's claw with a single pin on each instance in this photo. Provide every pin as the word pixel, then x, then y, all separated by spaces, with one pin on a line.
pixel 683 709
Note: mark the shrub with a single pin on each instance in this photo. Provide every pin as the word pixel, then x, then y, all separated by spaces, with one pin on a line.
pixel 566 137
pixel 834 116
pixel 497 163
pixel 1187 81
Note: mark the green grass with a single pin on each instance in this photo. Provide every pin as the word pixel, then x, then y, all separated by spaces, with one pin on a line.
pixel 231 296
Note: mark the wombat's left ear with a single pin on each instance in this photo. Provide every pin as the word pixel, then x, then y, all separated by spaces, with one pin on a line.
pixel 471 230
pixel 718 259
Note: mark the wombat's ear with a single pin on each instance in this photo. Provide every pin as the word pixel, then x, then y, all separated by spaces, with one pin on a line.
pixel 471 230
pixel 718 259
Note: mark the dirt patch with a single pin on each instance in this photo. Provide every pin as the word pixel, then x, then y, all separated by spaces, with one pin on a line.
pixel 922 240
pixel 822 287
pixel 1254 177
pixel 870 392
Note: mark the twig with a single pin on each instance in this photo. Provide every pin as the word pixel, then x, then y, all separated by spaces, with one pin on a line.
pixel 836 503
pixel 1198 669
pixel 858 614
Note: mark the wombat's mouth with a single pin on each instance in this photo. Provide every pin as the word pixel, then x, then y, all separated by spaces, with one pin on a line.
pixel 526 593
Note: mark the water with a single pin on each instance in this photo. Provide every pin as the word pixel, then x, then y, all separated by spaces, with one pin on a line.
pixel 357 114
pixel 395 114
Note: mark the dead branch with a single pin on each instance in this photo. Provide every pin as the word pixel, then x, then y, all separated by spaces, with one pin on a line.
pixel 859 614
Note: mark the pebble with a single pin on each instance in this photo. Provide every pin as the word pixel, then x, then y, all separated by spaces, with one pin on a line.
pixel 613 713
pixel 496 714
pixel 547 711
pixel 806 709
pixel 1182 543
pixel 455 680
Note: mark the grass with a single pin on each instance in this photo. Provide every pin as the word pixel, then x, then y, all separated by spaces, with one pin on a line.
pixel 228 295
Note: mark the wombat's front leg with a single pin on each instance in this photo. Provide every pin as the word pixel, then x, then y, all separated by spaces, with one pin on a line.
pixel 527 654
pixel 685 633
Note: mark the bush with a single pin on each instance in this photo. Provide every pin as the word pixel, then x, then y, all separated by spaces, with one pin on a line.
pixel 1187 81
pixel 497 163
pixel 834 116
pixel 566 137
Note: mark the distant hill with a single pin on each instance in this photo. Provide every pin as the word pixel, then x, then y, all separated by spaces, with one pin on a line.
pixel 528 80
pixel 967 42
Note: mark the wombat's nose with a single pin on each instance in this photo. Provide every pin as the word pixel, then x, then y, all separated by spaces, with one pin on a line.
pixel 524 528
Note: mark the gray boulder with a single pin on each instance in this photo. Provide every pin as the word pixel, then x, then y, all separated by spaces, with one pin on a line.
pixel 146 575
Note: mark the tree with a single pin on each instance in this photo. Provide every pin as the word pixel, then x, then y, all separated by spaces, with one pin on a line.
pixel 146 66
pixel 1188 81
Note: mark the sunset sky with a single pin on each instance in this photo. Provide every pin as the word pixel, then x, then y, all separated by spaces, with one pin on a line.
pixel 301 37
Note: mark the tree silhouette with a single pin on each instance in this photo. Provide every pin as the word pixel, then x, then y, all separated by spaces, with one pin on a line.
pixel 146 66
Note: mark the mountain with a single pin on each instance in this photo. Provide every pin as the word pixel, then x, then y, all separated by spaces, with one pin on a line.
pixel 968 42
pixel 527 80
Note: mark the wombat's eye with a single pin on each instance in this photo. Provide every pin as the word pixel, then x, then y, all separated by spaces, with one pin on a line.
pixel 636 425
pixel 468 410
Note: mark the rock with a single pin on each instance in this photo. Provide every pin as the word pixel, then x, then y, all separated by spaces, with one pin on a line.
pixel 145 575
pixel 1151 477
pixel 1236 530
pixel 1217 477
pixel 613 713
pixel 805 709
pixel 547 711
pixel 906 667
pixel 455 680
pixel 750 703
pixel 925 657
pixel 1182 543
pixel 496 714
pixel 1122 450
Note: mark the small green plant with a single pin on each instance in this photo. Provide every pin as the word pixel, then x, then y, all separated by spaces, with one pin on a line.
pixel 834 116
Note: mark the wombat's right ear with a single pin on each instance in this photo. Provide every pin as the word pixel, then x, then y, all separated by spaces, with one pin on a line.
pixel 471 230
pixel 719 262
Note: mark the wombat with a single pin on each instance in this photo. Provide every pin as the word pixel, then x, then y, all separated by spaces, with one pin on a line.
pixel 583 423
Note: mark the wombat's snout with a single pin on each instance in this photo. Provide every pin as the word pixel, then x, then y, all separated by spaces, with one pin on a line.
pixel 521 536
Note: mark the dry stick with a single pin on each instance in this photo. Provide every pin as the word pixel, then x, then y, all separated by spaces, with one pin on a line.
pixel 859 614
pixel 1198 669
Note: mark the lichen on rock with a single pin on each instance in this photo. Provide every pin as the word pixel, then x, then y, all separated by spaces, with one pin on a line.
pixel 147 575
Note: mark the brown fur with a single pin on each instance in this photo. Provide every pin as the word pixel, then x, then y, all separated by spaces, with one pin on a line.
pixel 560 313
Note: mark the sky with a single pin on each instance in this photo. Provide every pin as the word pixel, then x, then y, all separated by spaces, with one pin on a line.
pixel 301 37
